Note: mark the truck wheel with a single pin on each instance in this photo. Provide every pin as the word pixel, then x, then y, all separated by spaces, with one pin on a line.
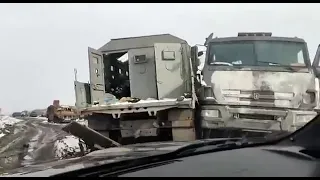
pixel 206 133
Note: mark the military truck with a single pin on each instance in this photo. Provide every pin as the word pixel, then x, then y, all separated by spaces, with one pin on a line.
pixel 157 81
pixel 252 82
pixel 257 82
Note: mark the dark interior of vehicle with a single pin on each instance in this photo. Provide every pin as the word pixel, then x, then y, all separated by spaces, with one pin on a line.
pixel 117 79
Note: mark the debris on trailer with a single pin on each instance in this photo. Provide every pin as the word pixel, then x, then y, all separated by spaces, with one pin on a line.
pixel 129 99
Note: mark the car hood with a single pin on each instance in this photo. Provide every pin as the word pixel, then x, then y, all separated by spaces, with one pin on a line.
pixel 99 157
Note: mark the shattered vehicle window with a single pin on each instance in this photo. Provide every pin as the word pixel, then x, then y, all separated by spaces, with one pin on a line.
pixel 260 53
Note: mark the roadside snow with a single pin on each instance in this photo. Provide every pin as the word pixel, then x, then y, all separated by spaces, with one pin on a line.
pixel 6 122
pixel 27 157
pixel 66 147
pixel 41 118
pixel 82 121
pixel 1 135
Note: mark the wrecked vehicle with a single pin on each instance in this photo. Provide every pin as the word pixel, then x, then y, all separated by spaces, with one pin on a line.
pixel 252 82
pixel 61 114
pixel 16 114
pixel 67 112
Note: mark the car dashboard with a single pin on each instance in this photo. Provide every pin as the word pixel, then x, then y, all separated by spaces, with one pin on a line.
pixel 264 161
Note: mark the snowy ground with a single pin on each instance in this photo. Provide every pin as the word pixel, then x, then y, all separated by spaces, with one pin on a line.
pixel 82 121
pixel 34 140
pixel 6 124
pixel 68 146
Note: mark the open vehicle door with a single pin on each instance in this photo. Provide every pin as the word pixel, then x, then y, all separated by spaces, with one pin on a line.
pixel 194 58
pixel 316 70
pixel 170 80
pixel 142 70
pixel 97 85
pixel 83 97
pixel 315 63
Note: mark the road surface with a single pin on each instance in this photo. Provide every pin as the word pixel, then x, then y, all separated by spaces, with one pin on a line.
pixel 30 141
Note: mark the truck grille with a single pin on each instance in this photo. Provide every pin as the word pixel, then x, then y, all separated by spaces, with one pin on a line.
pixel 257 116
pixel 258 98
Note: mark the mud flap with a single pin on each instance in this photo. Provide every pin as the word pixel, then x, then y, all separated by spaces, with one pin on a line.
pixel 182 122
pixel 91 137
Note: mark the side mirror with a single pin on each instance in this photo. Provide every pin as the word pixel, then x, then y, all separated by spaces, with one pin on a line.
pixel 316 71
pixel 200 53
pixel 208 39
pixel 316 62
pixel 194 57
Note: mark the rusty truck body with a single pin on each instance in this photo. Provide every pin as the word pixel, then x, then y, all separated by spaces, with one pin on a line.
pixel 249 82
pixel 61 113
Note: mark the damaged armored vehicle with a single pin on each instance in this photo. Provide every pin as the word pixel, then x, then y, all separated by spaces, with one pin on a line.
pixel 150 93
pixel 148 87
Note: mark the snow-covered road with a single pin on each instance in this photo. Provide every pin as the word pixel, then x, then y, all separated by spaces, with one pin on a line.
pixel 31 141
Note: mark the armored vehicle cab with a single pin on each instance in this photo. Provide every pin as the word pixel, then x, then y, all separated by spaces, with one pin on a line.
pixel 257 82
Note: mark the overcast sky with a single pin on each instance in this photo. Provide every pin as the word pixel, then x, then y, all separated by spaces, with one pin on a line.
pixel 42 43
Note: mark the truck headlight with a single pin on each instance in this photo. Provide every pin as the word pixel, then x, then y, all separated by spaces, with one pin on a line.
pixel 308 97
pixel 302 119
pixel 210 113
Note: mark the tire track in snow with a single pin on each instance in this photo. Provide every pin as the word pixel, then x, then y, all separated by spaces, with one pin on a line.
pixel 11 151
pixel 41 147
pixel 31 143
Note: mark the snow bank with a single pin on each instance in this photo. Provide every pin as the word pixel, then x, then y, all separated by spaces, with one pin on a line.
pixel 82 121
pixel 2 134
pixel 5 123
pixel 8 121
pixel 67 147
pixel 41 118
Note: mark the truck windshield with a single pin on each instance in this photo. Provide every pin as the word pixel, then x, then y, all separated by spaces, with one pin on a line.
pixel 258 53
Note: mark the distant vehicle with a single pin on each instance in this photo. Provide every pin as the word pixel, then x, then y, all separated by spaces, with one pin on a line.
pixel 16 114
pixel 24 113
pixel 61 114
pixel 33 114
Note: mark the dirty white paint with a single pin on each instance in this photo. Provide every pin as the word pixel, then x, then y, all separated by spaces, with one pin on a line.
pixel 287 83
